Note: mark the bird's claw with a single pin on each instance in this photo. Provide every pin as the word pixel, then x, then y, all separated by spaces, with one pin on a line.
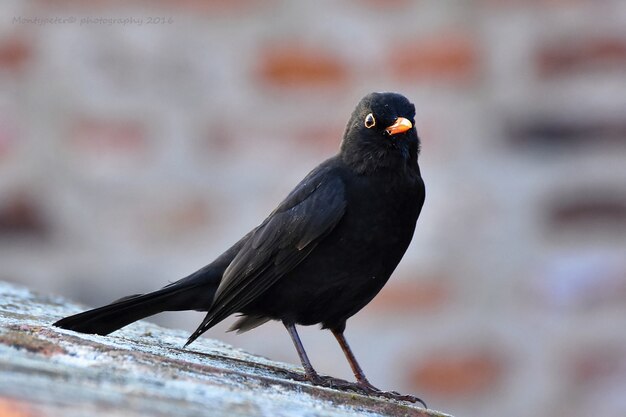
pixel 393 395
pixel 363 387
pixel 371 390
pixel 330 382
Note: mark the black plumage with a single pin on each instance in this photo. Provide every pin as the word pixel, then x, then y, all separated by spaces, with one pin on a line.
pixel 320 256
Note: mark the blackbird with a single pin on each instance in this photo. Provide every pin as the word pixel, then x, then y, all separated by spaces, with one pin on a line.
pixel 320 256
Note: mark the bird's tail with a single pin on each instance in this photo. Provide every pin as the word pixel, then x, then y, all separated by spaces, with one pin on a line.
pixel 191 293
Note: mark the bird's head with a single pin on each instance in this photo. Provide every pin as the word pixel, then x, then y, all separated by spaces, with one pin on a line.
pixel 381 133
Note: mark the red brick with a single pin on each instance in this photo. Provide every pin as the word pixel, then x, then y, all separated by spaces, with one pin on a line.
pixel 596 365
pixel 555 133
pixel 405 296
pixel 14 53
pixel 445 57
pixel 458 374
pixel 109 136
pixel 20 214
pixel 298 66
pixel 187 215
pixel 588 209
pixel 579 55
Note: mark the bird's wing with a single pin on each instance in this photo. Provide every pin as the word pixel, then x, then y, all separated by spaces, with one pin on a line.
pixel 279 244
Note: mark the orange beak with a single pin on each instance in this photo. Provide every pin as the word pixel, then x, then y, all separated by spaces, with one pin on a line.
pixel 400 126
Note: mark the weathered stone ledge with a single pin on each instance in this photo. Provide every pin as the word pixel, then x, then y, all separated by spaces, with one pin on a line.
pixel 143 371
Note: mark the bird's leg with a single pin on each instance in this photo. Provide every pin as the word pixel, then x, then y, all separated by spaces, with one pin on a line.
pixel 361 379
pixel 310 373
pixel 356 368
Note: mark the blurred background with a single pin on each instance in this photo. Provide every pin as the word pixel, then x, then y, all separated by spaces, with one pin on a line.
pixel 138 140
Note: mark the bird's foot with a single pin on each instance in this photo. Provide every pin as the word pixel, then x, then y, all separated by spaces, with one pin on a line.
pixel 371 390
pixel 361 387
pixel 330 382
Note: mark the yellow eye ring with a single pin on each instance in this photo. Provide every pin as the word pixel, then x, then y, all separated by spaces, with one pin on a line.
pixel 370 121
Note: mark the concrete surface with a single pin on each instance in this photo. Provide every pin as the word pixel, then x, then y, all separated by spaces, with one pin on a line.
pixel 142 370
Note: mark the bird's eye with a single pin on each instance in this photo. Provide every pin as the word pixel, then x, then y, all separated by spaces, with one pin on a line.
pixel 370 121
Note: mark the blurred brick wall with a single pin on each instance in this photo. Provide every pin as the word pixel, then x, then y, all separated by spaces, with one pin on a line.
pixel 132 153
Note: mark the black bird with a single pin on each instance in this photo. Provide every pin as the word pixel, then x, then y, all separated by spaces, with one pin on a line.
pixel 320 256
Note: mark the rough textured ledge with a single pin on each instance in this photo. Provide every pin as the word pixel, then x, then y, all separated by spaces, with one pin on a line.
pixel 142 370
